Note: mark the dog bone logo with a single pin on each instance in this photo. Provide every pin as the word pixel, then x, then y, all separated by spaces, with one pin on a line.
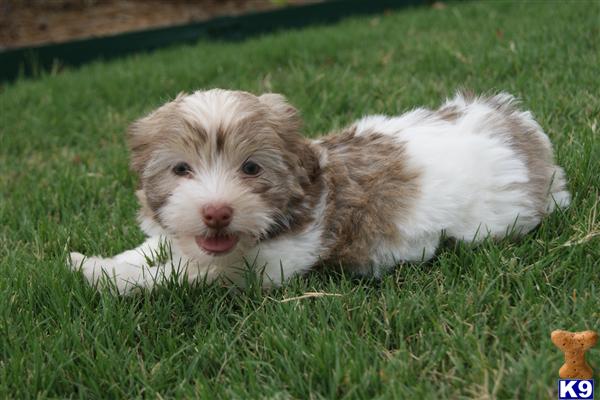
pixel 574 345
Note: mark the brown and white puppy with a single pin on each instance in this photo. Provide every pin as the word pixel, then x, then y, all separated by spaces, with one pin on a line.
pixel 228 181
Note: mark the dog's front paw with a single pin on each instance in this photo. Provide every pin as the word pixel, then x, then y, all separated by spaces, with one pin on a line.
pixel 92 268
pixel 105 272
pixel 75 260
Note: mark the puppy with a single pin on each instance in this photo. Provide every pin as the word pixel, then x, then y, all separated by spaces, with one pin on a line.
pixel 228 183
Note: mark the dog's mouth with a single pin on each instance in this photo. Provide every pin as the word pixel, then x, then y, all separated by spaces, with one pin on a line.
pixel 218 244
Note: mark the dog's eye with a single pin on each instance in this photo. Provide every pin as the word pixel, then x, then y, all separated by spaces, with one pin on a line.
pixel 251 168
pixel 182 169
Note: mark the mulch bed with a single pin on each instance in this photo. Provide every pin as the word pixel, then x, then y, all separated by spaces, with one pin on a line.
pixel 36 22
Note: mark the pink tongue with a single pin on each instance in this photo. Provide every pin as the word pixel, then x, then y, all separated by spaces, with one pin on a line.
pixel 217 244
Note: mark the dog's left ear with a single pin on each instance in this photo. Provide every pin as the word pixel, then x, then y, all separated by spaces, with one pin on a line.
pixel 287 122
pixel 283 116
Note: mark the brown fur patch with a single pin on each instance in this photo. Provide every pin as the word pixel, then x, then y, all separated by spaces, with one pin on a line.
pixel 302 161
pixel 220 139
pixel 449 113
pixel 528 140
pixel 158 129
pixel 370 188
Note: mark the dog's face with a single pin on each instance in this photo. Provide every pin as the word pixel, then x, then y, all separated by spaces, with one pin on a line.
pixel 220 170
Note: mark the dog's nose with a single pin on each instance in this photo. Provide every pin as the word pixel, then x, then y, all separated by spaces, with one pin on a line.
pixel 217 215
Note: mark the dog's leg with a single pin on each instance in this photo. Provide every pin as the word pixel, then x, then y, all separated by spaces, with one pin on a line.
pixel 129 270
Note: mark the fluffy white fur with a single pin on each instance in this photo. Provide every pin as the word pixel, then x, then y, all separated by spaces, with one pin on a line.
pixel 472 185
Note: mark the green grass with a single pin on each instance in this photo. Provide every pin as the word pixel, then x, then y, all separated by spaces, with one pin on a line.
pixel 472 323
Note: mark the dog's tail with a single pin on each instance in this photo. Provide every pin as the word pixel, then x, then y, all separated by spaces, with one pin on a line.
pixel 558 195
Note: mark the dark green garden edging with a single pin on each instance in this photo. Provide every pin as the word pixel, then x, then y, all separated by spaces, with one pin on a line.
pixel 30 61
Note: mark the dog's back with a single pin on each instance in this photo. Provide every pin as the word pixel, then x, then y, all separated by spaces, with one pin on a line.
pixel 474 168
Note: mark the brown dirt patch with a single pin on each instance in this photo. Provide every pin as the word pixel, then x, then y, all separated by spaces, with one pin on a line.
pixel 36 22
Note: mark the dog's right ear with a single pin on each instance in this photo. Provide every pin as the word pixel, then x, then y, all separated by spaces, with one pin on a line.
pixel 142 134
pixel 138 141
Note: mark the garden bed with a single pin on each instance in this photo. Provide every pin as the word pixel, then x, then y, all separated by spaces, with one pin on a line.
pixel 36 22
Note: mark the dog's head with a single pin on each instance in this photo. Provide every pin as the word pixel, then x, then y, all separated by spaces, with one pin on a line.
pixel 221 169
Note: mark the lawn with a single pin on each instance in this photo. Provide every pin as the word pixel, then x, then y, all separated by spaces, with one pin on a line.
pixel 475 322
